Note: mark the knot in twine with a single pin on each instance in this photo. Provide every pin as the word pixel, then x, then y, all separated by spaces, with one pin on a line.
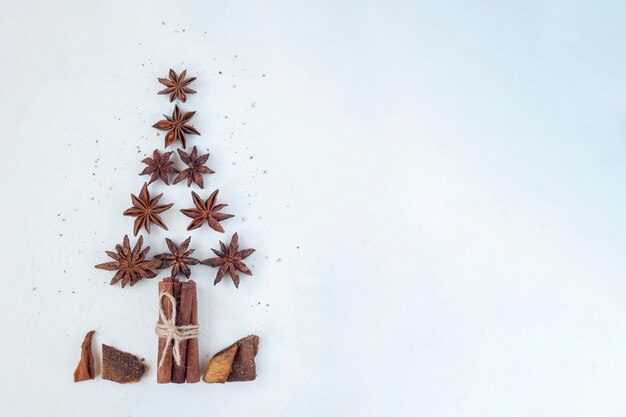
pixel 168 330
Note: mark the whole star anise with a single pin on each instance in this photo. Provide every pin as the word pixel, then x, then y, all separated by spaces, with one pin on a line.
pixel 178 258
pixel 177 86
pixel 206 210
pixel 229 260
pixel 196 167
pixel 146 210
pixel 176 127
pixel 158 167
pixel 132 265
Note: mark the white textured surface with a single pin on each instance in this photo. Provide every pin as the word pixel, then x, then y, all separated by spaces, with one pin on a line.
pixel 436 194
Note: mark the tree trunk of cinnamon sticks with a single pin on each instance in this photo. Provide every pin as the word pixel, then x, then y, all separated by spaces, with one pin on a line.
pixel 186 314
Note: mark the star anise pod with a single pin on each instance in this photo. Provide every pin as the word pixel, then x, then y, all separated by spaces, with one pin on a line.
pixel 206 210
pixel 158 167
pixel 177 86
pixel 176 127
pixel 132 265
pixel 196 167
pixel 229 260
pixel 146 210
pixel 178 258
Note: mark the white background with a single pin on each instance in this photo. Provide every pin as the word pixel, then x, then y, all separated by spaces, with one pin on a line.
pixel 435 191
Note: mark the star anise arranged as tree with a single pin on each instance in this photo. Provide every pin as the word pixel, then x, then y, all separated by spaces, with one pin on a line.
pixel 196 167
pixel 146 210
pixel 177 86
pixel 206 210
pixel 178 258
pixel 176 127
pixel 229 260
pixel 158 167
pixel 132 265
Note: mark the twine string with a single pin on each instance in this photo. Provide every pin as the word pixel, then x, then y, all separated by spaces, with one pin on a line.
pixel 167 329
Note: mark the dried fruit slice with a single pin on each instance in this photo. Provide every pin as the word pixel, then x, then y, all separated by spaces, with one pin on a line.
pixel 244 368
pixel 121 367
pixel 85 369
pixel 220 365
pixel 235 363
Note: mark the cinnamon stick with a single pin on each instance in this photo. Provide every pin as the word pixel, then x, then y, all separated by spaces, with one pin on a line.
pixel 164 372
pixel 183 292
pixel 193 357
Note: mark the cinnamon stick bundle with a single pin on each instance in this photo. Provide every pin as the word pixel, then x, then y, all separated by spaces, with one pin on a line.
pixel 178 361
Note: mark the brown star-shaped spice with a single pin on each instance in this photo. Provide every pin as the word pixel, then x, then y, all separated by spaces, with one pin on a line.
pixel 146 210
pixel 176 127
pixel 196 167
pixel 177 86
pixel 206 211
pixel 229 260
pixel 158 167
pixel 132 265
pixel 178 258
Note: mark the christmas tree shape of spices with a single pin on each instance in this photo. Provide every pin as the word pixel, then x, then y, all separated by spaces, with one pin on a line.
pixel 132 263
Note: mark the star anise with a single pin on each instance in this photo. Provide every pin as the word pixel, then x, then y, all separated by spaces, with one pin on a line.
pixel 177 86
pixel 206 210
pixel 176 127
pixel 196 167
pixel 146 210
pixel 178 258
pixel 229 260
pixel 158 167
pixel 132 265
